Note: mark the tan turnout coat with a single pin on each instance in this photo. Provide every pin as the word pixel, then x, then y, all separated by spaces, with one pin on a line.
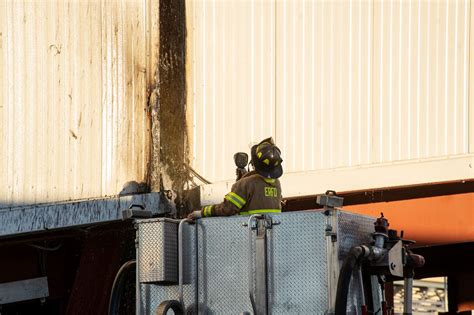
pixel 252 194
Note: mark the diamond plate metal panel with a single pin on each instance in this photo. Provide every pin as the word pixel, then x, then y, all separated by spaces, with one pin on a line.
pixel 353 229
pixel 151 295
pixel 297 264
pixel 158 251
pixel 223 266
pixel 219 256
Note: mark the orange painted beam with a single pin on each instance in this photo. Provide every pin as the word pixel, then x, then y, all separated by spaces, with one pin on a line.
pixel 428 221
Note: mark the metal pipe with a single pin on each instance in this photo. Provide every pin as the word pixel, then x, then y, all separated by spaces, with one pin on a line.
pixel 361 283
pixel 251 280
pixel 408 299
pixel 379 241
pixel 180 261
pixel 138 286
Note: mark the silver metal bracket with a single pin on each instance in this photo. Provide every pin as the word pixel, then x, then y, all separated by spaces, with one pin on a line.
pixel 261 283
pixel 330 233
pixel 269 223
pixel 259 298
pixel 330 201
pixel 332 256
pixel 136 211
pixel 395 259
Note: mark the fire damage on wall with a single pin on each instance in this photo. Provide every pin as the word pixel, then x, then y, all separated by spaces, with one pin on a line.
pixel 80 262
pixel 169 171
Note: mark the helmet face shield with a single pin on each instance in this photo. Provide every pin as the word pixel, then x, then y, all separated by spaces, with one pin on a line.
pixel 266 157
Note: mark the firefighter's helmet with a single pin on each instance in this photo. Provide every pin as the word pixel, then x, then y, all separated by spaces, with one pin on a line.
pixel 266 158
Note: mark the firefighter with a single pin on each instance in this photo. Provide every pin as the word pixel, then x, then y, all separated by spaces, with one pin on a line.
pixel 257 192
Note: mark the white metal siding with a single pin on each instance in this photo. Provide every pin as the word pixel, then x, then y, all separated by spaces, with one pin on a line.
pixel 73 94
pixel 231 89
pixel 338 84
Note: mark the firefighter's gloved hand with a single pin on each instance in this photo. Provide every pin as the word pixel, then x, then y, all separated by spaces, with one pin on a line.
pixel 195 215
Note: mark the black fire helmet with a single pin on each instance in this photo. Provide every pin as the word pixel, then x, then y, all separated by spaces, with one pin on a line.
pixel 266 158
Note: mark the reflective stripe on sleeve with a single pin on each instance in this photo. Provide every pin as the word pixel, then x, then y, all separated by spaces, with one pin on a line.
pixel 207 211
pixel 242 200
pixel 238 201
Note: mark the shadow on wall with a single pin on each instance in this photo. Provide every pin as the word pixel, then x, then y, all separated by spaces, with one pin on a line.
pixel 132 188
pixel 129 188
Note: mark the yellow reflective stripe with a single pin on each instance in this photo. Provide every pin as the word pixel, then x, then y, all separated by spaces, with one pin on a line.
pixel 234 201
pixel 242 200
pixel 269 180
pixel 207 211
pixel 259 211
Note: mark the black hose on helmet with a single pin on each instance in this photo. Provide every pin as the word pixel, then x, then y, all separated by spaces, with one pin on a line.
pixel 352 259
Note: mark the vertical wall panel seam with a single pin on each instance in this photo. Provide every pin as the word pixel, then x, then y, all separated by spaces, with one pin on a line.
pixel 303 103
pixel 470 111
pixel 371 120
pixel 446 82
pixel 293 86
pixel 204 87
pixel 272 65
pixel 400 83
pixel 331 85
pixel 222 100
pixel 455 88
pixel 427 114
pixel 465 79
pixel 141 177
pixel 359 87
pixel 410 55
pixel 252 69
pixel 438 89
pixel 194 75
pixel 101 93
pixel 66 107
pixel 103 125
pixel 50 100
pixel 119 104
pixel 134 90
pixel 275 71
pixel 350 87
pixel 213 133
pixel 390 100
pixel 381 82
pixel 28 120
pixel 312 84
pixel 3 103
pixel 418 76
pixel 9 168
pixel 321 91
pixel 285 55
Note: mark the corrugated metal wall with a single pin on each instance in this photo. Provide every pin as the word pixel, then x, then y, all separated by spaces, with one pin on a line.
pixel 231 79
pixel 338 84
pixel 73 96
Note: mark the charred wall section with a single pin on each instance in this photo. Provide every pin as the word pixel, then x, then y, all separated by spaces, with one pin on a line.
pixel 168 102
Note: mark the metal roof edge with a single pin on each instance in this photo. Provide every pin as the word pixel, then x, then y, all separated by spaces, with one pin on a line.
pixel 37 218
